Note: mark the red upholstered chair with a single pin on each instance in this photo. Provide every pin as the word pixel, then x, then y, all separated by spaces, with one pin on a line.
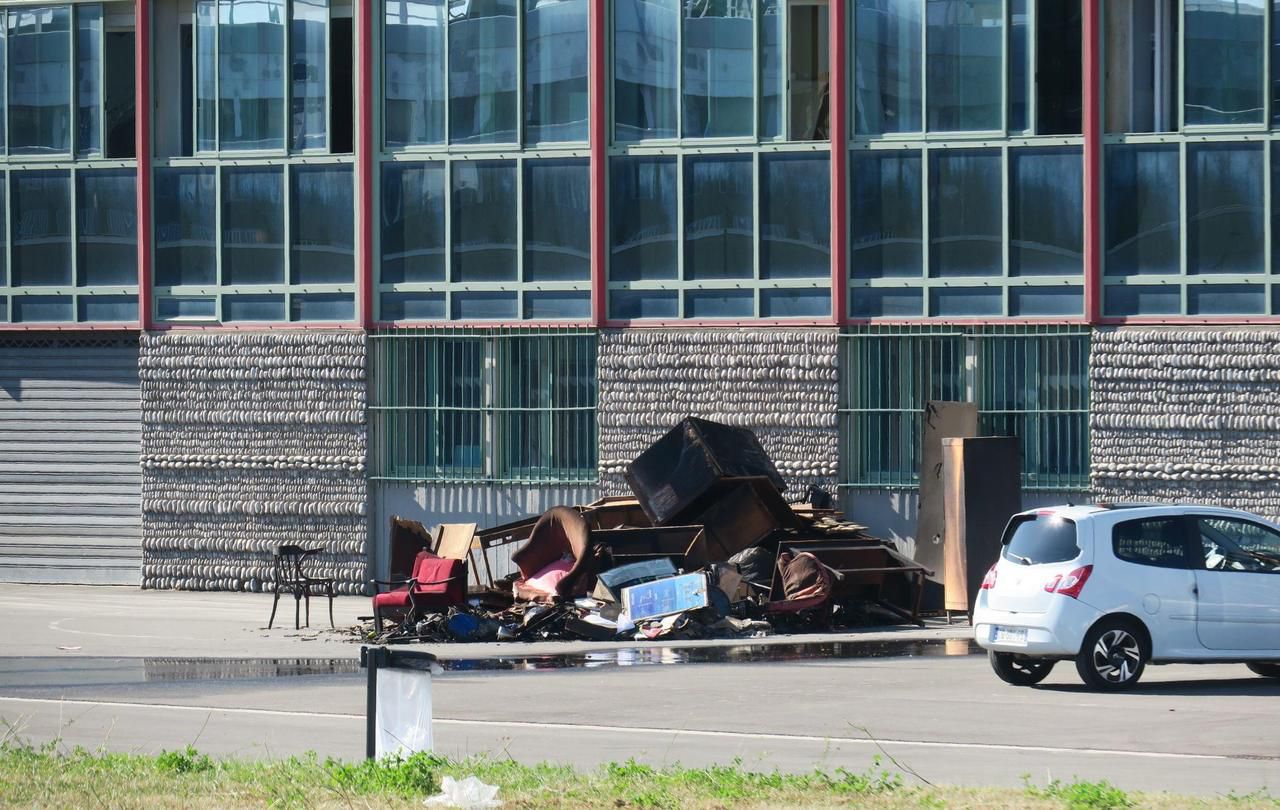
pixel 437 584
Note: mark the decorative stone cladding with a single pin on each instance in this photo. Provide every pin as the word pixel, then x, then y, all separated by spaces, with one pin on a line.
pixel 781 383
pixel 1187 414
pixel 250 440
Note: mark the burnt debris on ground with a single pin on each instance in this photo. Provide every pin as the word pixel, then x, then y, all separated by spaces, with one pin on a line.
pixel 708 547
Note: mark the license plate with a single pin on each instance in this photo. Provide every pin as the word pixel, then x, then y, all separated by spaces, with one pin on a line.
pixel 1009 635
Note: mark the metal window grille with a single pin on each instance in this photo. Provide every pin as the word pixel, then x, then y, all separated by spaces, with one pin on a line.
pixel 501 405
pixel 1030 382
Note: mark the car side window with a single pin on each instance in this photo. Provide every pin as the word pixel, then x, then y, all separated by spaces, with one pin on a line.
pixel 1159 542
pixel 1229 544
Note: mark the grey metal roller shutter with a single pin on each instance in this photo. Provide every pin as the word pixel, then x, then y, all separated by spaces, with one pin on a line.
pixel 70 484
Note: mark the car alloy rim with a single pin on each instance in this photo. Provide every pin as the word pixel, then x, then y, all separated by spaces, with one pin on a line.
pixel 1116 656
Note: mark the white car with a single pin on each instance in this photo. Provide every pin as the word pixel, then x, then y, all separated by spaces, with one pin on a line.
pixel 1117 587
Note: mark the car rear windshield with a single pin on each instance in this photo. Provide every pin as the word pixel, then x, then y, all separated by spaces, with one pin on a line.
pixel 1041 539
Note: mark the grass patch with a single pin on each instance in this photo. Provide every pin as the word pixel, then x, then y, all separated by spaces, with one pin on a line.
pixel 48 776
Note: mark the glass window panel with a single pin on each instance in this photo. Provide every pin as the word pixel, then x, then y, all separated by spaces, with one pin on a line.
pixel 322 225
pixel 642 215
pixel 97 308
pixel 719 304
pixel 1131 299
pixel 1020 72
pixel 108 220
pixel 1225 208
pixel 809 66
pixel 557 304
pixel 40 228
pixel 42 308
pixel 413 72
pixel 486 306
pixel 645 59
pixel 1046 205
pixel 252 308
pixel 412 306
pixel 1226 299
pixel 965 68
pixel 719 69
pixel 773 74
pixel 800 303
pixel 966 230
pixel 4 267
pixel 39 80
pixel 251 74
pixel 886 214
pixel 1036 301
pixel 555 71
pixel 119 124
pixel 322 307
pixel 4 87
pixel 966 301
pixel 88 79
pixel 308 100
pixel 483 71
pixel 887 66
pixel 186 229
pixel 626 305
pixel 484 221
pixel 887 303
pixel 1142 216
pixel 557 203
pixel 795 216
pixel 203 308
pixel 718 217
pixel 1225 48
pixel 412 211
pixel 253 225
pixel 206 76
pixel 1058 77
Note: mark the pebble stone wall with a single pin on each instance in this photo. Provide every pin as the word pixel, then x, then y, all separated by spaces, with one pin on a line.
pixel 1184 414
pixel 250 440
pixel 781 383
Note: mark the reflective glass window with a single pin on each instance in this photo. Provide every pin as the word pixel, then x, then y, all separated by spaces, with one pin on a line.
pixel 1020 72
pixel 322 307
pixel 194 308
pixel 483 71
pixel 795 216
pixel 107 308
pixel 645 60
pixel 1131 299
pixel 887 66
pixel 719 304
pixel 808 69
pixel 4 88
pixel 966 231
pixel 557 304
pixel 887 303
pixel 642 215
pixel 1030 302
pixel 40 228
pixel 886 214
pixel 253 225
pixel 1226 299
pixel 965 67
pixel 484 224
pixel 412 306
pixel 307 74
pixel 206 75
pixel 1225 51
pixel 485 306
pixel 719 223
pixel 719 69
pixel 773 72
pixel 966 301
pixel 42 308
pixel 795 303
pixel 557 203
pixel 88 79
pixel 185 226
pixel 322 225
pixel 251 74
pixel 629 305
pixel 39 80
pixel 108 227
pixel 1046 205
pixel 412 212
pixel 1225 208
pixel 1142 216
pixel 555 70
pixel 412 72
pixel 252 308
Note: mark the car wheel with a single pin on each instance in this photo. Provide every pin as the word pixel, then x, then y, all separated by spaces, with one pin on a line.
pixel 1113 656
pixel 1265 670
pixel 1017 670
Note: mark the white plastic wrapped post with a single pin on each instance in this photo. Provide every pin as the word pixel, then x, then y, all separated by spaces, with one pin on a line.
pixel 403 712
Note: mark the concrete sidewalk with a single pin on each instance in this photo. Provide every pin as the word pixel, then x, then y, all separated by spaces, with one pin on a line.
pixel 71 620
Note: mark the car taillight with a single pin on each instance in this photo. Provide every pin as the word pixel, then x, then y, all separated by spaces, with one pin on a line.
pixel 989 581
pixel 1070 584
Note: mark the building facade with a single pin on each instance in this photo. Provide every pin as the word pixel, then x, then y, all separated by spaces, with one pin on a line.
pixel 276 270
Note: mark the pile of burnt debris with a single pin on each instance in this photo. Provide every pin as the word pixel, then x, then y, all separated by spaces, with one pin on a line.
pixel 708 547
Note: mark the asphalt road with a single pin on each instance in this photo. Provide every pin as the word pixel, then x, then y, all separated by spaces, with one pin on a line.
pixel 1204 730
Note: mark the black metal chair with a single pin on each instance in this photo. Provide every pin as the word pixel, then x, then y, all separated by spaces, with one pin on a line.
pixel 287 567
